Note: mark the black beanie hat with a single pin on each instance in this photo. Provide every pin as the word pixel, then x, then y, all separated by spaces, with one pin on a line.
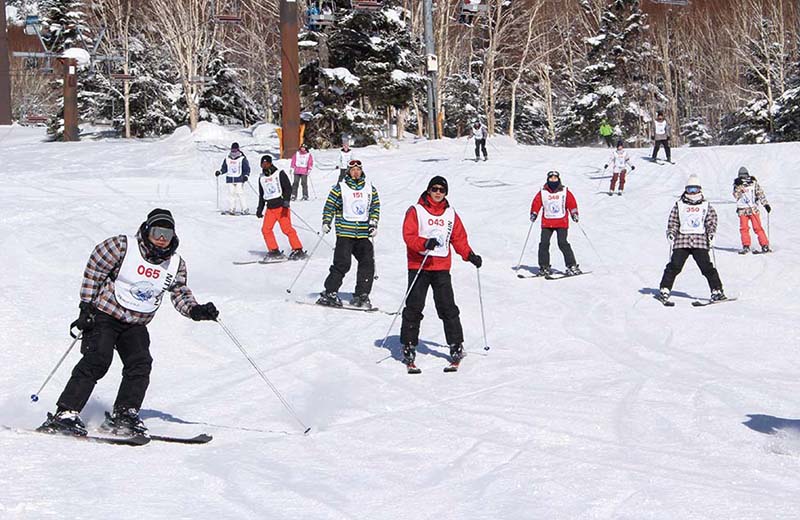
pixel 160 217
pixel 266 158
pixel 440 181
pixel 234 146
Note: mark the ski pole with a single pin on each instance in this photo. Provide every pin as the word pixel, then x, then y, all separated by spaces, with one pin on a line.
pixel 313 189
pixel 283 401
pixel 375 275
pixel 218 194
pixel 35 397
pixel 524 247
pixel 464 153
pixel 321 236
pixel 403 303
pixel 309 227
pixel 480 300
pixel 588 240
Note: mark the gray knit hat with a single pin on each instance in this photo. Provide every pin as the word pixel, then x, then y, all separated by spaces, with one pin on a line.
pixel 743 172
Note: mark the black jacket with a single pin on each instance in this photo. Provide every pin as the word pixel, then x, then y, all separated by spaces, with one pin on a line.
pixel 286 187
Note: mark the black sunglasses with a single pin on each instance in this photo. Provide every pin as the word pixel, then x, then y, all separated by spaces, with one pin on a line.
pixel 438 189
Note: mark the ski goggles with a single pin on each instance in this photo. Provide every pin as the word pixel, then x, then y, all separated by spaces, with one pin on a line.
pixel 692 189
pixel 553 173
pixel 162 233
pixel 354 162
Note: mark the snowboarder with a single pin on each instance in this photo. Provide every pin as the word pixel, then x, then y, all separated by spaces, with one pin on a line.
pixel 302 164
pixel 431 226
pixel 123 286
pixel 691 227
pixel 345 156
pixel 661 133
pixel 356 207
pixel 749 194
pixel 558 204
pixel 479 133
pixel 274 191
pixel 607 133
pixel 236 170
pixel 620 161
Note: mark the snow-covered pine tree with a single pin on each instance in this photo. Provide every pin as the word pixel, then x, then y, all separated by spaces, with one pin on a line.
pixel 787 111
pixel 612 83
pixel 224 100
pixel 697 133
pixel 461 100
pixel 372 64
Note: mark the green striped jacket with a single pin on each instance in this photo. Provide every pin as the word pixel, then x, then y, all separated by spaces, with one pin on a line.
pixel 333 208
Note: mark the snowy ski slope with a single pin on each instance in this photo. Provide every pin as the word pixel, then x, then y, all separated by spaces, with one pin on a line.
pixel 594 402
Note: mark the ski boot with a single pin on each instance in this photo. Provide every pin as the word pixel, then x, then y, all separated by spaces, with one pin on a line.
pixel 297 254
pixel 717 295
pixel 331 299
pixel 573 270
pixel 305 198
pixel 619 192
pixel 66 422
pixel 765 249
pixel 744 250
pixel 361 300
pixel 456 353
pixel 409 355
pixel 124 422
pixel 545 271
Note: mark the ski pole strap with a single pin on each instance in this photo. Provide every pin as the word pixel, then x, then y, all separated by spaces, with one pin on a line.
pixel 272 387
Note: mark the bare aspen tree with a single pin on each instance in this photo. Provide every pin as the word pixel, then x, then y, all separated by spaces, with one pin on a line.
pixel 116 15
pixel 523 64
pixel 189 32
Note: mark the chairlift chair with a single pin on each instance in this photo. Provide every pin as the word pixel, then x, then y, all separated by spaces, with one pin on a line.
pixel 671 2
pixel 472 8
pixel 230 15
pixel 321 17
pixel 365 5
pixel 121 77
pixel 34 119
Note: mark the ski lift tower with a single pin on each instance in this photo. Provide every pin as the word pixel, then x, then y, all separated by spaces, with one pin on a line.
pixel 5 70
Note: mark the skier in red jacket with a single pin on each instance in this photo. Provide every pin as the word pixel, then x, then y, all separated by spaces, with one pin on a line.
pixel 559 204
pixel 430 227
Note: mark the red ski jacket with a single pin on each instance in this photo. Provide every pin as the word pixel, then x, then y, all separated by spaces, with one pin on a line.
pixel 563 222
pixel 416 243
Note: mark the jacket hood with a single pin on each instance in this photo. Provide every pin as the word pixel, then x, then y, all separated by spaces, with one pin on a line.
pixel 425 201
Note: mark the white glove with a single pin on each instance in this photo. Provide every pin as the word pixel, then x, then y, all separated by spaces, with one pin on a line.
pixel 373 228
pixel 326 228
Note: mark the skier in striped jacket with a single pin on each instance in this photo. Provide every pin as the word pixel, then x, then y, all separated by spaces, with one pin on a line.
pixel 356 207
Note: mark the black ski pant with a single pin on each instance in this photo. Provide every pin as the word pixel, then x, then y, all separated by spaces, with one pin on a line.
pixel 608 139
pixel 480 146
pixel 702 260
pixel 97 346
pixel 657 147
pixel 443 299
pixel 563 245
pixel 300 179
pixel 362 250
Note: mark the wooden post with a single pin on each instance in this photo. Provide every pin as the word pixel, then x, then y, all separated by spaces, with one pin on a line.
pixel 5 70
pixel 70 67
pixel 290 79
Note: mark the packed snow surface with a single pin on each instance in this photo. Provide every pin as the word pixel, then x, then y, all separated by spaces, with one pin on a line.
pixel 593 402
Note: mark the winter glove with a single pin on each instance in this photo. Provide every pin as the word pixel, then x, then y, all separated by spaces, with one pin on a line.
pixel 738 181
pixel 476 260
pixel 203 312
pixel 710 238
pixel 605 166
pixel 533 217
pixel 245 179
pixel 373 228
pixel 260 214
pixel 85 321
pixel 767 207
pixel 670 235
pixel 326 228
pixel 217 173
pixel 285 204
pixel 431 244
pixel 633 167
pixel 575 217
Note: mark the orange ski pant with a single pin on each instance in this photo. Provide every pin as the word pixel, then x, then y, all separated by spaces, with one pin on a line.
pixel 284 218
pixel 744 229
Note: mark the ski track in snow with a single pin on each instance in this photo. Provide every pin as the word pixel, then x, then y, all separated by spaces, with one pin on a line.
pixel 594 402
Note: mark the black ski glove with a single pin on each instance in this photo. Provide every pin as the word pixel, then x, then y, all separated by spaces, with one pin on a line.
pixel 633 167
pixel 206 311
pixel 217 173
pixel 285 204
pixel 260 214
pixel 431 244
pixel 476 260
pixel 767 207
pixel 85 321
pixel 738 181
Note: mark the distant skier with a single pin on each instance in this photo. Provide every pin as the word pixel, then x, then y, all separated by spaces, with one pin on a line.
pixel 355 205
pixel 620 161
pixel 302 164
pixel 274 192
pixel 661 133
pixel 431 226
pixel 345 156
pixel 691 228
pixel 749 194
pixel 236 170
pixel 558 205
pixel 480 133
pixel 607 133
pixel 123 286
